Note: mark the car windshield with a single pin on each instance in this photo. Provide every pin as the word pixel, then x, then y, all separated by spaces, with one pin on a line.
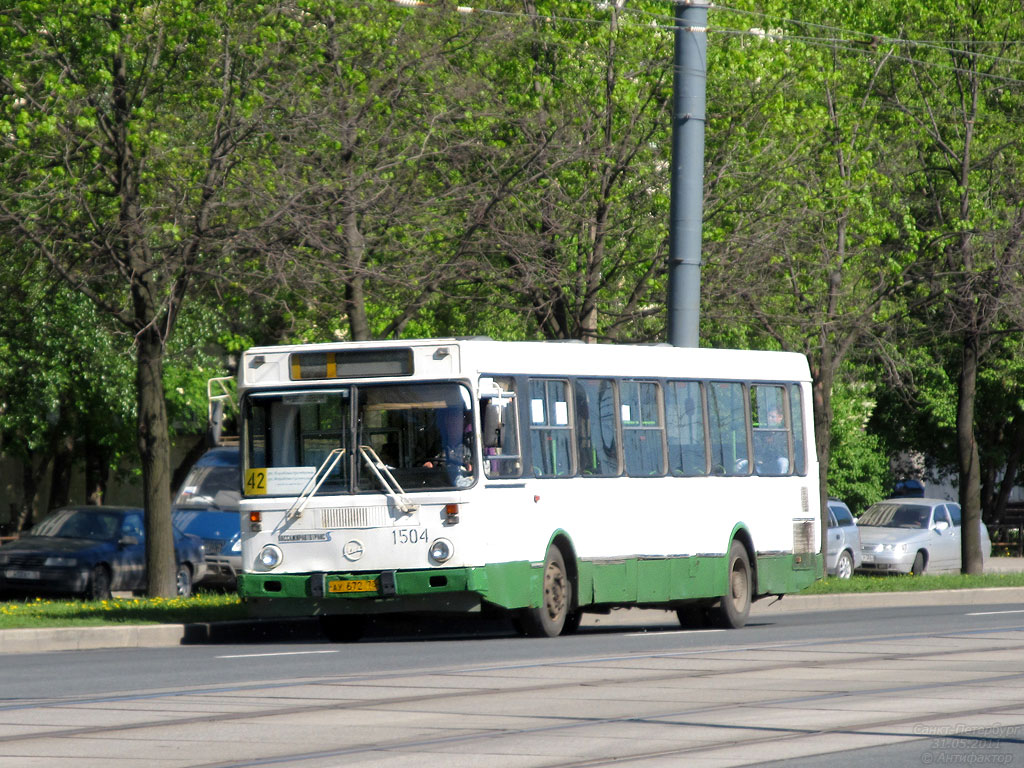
pixel 897 516
pixel 77 524
pixel 210 487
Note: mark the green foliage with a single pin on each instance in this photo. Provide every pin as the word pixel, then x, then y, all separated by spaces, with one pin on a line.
pixel 64 371
pixel 858 465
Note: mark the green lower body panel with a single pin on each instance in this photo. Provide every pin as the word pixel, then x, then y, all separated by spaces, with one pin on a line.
pixel 633 581
pixel 785 574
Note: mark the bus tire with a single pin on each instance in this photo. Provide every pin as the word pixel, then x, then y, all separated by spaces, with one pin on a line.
pixel 551 617
pixel 343 629
pixel 572 622
pixel 734 607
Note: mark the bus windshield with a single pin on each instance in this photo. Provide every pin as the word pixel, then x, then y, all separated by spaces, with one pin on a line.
pixel 420 434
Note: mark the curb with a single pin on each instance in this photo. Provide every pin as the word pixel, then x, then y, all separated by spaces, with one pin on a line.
pixel 859 600
pixel 14 641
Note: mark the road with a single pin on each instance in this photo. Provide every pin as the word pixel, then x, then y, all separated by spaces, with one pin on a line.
pixel 895 686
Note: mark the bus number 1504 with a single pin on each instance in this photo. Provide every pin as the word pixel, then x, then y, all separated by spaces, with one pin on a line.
pixel 409 536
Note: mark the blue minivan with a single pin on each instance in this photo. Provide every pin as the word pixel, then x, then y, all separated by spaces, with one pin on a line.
pixel 207 506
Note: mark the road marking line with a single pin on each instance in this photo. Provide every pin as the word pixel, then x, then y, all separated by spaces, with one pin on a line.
pixel 283 653
pixel 661 633
pixel 993 613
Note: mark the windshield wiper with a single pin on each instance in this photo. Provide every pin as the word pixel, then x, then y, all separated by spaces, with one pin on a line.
pixel 387 481
pixel 314 483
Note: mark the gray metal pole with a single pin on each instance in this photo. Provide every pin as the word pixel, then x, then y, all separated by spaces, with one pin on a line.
pixel 687 188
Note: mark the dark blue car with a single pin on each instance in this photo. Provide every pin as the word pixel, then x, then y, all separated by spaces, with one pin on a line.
pixel 90 552
pixel 207 506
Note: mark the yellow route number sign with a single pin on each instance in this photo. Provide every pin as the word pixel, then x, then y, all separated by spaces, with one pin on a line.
pixel 255 482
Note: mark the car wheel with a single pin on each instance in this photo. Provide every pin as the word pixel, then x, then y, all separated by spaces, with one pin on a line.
pixel 919 565
pixel 99 583
pixel 734 607
pixel 844 565
pixel 184 581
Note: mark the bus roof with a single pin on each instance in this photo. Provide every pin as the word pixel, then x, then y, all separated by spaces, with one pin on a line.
pixel 451 358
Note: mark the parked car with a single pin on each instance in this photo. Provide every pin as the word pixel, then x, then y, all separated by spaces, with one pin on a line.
pixel 844 548
pixel 912 535
pixel 90 551
pixel 207 506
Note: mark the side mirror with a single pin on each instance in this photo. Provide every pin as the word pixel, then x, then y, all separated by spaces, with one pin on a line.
pixel 492 425
pixel 128 541
pixel 216 425
pixel 941 526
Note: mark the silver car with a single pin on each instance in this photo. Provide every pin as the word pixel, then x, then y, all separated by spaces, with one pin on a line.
pixel 844 548
pixel 910 535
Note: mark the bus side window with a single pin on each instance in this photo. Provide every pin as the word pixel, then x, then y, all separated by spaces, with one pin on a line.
pixel 502 459
pixel 684 422
pixel 796 422
pixel 597 436
pixel 643 434
pixel 770 430
pixel 551 438
pixel 728 428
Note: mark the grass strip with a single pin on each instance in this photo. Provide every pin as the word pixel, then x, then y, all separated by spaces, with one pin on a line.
pixel 906 583
pixel 42 613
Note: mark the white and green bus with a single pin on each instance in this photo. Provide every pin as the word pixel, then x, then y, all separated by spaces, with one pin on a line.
pixel 543 479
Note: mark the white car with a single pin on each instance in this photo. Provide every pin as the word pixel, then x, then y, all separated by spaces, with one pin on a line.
pixel 843 556
pixel 909 535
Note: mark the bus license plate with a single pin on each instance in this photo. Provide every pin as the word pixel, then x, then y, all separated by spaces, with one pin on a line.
pixel 352 585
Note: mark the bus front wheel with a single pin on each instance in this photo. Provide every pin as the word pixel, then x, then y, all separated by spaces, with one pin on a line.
pixel 734 607
pixel 552 616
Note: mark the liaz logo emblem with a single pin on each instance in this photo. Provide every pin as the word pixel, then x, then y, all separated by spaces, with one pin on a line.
pixel 353 550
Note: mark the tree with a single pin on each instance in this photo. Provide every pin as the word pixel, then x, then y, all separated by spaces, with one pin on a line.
pixel 367 170
pixel 65 387
pixel 122 128
pixel 809 243
pixel 576 221
pixel 968 201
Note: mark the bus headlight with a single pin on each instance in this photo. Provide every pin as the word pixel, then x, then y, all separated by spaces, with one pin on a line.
pixel 441 550
pixel 270 557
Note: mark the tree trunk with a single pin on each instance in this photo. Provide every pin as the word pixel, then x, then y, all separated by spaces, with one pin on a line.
pixel 60 477
pixel 1013 461
pixel 155 455
pixel 355 294
pixel 97 463
pixel 967 458
pixel 821 391
pixel 30 479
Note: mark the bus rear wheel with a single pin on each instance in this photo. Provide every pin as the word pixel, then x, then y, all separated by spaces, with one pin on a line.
pixel 734 608
pixel 552 616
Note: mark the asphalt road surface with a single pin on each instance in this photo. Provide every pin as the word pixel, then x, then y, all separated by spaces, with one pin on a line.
pixel 931 685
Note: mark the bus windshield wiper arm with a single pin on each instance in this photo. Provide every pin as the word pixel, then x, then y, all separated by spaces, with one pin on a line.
pixel 387 481
pixel 313 484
